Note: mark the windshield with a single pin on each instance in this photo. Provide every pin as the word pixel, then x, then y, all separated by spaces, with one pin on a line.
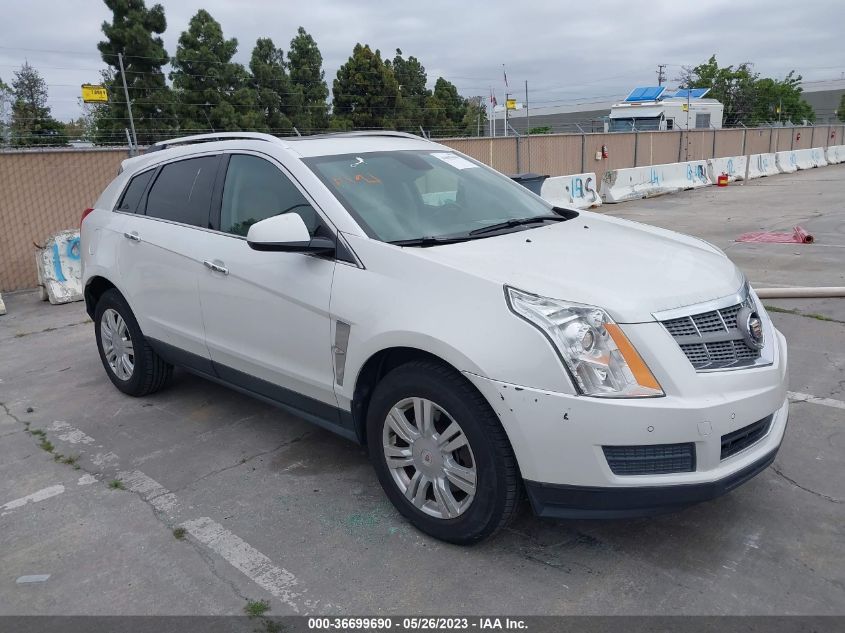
pixel 410 195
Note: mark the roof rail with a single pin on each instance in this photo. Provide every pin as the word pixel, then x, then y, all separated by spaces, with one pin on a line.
pixel 214 136
pixel 355 133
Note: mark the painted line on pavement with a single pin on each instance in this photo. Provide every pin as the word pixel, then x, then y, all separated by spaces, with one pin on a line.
pixel 35 497
pixel 249 561
pixel 71 434
pixel 277 581
pixel 796 396
pixel 150 490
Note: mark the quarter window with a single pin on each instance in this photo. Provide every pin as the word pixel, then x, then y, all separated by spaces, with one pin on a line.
pixel 182 191
pixel 255 190
pixel 132 196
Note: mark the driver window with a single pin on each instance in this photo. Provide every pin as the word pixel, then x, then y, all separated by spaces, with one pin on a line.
pixel 255 190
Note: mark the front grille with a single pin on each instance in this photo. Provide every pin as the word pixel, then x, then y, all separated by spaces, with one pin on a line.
pixel 739 440
pixel 653 459
pixel 712 339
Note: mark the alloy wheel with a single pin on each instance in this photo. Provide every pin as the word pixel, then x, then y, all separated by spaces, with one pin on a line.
pixel 117 344
pixel 429 458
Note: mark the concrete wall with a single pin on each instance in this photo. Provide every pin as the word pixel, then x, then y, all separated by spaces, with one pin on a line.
pixel 45 191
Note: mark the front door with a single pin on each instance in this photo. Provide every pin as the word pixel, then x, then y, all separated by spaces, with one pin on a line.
pixel 266 314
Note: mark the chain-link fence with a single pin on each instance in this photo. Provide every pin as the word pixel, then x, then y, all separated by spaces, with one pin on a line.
pixel 44 191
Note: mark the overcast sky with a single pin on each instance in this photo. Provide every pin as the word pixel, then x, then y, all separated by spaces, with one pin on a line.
pixel 569 53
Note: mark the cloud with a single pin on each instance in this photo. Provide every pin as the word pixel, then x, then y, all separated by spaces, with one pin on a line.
pixel 566 52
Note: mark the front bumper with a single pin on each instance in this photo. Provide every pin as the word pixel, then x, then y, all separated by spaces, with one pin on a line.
pixel 583 502
pixel 558 438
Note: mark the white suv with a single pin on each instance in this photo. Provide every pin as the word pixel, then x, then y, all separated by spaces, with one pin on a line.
pixel 479 341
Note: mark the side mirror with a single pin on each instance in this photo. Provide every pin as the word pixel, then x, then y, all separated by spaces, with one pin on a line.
pixel 286 233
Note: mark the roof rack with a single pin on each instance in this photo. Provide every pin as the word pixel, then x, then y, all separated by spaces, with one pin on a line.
pixel 214 136
pixel 355 133
pixel 261 136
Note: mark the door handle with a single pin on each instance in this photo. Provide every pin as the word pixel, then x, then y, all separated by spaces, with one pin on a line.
pixel 218 268
pixel 132 236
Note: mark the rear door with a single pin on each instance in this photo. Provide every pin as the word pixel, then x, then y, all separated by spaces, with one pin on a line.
pixel 160 258
pixel 266 314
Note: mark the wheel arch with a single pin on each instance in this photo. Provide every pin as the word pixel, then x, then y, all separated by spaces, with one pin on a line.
pixel 95 287
pixel 378 365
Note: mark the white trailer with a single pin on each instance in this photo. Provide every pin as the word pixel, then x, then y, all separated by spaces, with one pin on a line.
pixel 656 110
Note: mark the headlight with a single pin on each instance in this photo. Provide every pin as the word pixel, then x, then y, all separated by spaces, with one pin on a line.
pixel 599 357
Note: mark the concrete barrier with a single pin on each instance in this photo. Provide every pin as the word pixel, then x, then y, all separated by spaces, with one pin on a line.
pixel 60 268
pixel 835 154
pixel 2 306
pixel 786 162
pixel 733 166
pixel 760 165
pixel 577 190
pixel 645 182
pixel 809 158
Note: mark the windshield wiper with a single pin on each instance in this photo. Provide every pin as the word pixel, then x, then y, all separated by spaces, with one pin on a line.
pixel 430 241
pixel 514 222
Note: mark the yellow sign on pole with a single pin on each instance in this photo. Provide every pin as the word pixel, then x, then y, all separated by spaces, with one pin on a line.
pixel 685 107
pixel 510 104
pixel 94 94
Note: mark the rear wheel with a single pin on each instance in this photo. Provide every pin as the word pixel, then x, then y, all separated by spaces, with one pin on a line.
pixel 441 454
pixel 130 362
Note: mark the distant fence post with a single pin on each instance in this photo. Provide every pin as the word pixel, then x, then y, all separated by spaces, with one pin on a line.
pixel 636 143
pixel 680 143
pixel 583 148
pixel 713 153
pixel 771 134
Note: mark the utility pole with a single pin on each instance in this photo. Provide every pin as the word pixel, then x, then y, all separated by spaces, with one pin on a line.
pixel 661 74
pixel 126 94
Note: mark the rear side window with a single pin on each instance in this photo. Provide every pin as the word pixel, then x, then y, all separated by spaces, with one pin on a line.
pixel 132 196
pixel 255 190
pixel 182 191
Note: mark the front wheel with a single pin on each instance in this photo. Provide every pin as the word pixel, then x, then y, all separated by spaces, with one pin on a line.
pixel 441 454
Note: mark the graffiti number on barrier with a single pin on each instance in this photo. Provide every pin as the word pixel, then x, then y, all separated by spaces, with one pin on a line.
pixel 654 177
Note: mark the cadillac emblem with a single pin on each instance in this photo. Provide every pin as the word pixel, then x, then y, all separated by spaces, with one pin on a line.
pixel 751 327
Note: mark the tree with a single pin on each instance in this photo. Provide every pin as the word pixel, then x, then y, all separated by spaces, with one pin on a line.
pixel 134 32
pixel 277 98
pixel 32 123
pixel 840 112
pixel 448 109
pixel 733 87
pixel 411 76
pixel 305 64
pixel 780 100
pixel 7 97
pixel 212 91
pixel 747 97
pixel 366 93
pixel 475 117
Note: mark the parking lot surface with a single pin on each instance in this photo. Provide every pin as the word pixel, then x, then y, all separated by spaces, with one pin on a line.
pixel 276 509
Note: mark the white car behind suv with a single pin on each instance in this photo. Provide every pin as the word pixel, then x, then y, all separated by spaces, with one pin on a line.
pixel 480 342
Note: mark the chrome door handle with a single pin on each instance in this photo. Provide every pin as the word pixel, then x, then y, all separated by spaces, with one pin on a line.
pixel 132 236
pixel 216 267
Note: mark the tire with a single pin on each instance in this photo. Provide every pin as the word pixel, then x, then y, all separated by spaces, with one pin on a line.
pixel 452 514
pixel 148 372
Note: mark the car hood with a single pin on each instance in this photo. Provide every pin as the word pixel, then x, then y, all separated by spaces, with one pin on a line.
pixel 629 269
